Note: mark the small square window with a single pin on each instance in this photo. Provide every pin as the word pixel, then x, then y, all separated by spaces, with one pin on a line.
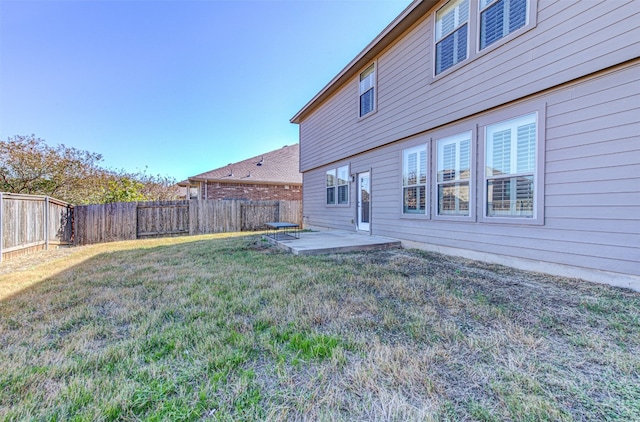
pixel 337 185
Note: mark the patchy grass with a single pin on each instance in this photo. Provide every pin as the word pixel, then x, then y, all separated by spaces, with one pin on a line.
pixel 227 328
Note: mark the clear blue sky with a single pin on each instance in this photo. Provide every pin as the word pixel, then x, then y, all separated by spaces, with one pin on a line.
pixel 179 87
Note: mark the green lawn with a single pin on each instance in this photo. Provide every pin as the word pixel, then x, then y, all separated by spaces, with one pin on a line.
pixel 228 328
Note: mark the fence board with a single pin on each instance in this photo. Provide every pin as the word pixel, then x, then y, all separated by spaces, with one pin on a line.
pixel 61 222
pixel 215 216
pixel 124 221
pixel 105 222
pixel 290 211
pixel 33 222
pixel 255 214
pixel 162 218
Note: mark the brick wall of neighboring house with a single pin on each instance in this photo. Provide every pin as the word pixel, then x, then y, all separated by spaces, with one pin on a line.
pixel 252 192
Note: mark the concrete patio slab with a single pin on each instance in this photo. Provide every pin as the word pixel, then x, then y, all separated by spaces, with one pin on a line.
pixel 332 241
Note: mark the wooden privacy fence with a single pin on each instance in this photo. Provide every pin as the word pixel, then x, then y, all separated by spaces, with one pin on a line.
pixel 33 222
pixel 162 218
pixel 133 220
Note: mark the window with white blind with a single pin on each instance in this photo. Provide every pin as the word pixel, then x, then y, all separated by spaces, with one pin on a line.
pixel 510 174
pixel 331 186
pixel 337 185
pixel 414 180
pixel 368 90
pixel 499 18
pixel 464 29
pixel 451 34
pixel 343 185
pixel 454 175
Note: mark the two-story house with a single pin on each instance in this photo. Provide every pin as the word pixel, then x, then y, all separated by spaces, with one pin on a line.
pixel 501 130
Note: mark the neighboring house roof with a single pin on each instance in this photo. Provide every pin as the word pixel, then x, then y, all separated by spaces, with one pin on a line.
pixel 412 14
pixel 279 167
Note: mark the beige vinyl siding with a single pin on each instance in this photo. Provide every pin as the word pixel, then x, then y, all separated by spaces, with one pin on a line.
pixel 591 182
pixel 571 39
pixel 593 151
pixel 402 74
pixel 317 212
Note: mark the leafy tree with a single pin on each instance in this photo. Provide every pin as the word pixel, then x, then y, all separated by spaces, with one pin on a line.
pixel 28 165
pixel 157 187
pixel 123 189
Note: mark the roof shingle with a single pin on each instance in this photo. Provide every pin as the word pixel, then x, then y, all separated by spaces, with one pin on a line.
pixel 278 167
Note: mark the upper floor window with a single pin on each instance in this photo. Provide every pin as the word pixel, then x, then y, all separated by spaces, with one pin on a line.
pixel 414 180
pixel 499 18
pixel 510 155
pixel 465 29
pixel 367 90
pixel 337 182
pixel 454 174
pixel 452 27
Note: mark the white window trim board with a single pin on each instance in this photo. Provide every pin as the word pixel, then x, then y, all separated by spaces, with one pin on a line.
pixel 375 90
pixel 456 130
pixel 517 111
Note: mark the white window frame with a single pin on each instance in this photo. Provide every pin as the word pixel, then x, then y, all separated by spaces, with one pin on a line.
pixel 517 114
pixel 342 182
pixel 452 6
pixel 335 173
pixel 417 149
pixel 473 33
pixel 330 185
pixel 455 136
pixel 193 188
pixel 363 89
pixel 485 5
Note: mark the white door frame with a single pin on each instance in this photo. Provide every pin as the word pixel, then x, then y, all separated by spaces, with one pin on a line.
pixel 363 208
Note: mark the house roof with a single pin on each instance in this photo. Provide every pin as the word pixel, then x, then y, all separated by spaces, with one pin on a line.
pixel 412 14
pixel 280 167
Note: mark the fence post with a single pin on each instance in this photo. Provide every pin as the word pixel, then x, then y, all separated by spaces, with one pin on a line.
pixel 75 225
pixel 46 223
pixel 1 224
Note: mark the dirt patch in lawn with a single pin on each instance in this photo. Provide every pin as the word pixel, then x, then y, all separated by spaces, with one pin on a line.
pixel 234 329
pixel 496 334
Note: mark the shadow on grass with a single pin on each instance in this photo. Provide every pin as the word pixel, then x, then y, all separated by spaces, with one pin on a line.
pixel 234 329
pixel 129 329
pixel 30 270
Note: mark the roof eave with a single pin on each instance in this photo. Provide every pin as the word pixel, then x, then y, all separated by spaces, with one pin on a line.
pixel 414 12
pixel 245 181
